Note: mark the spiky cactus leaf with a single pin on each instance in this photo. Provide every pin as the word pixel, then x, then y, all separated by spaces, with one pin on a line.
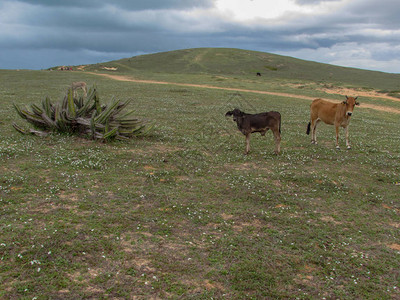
pixel 49 121
pixel 87 108
pixel 46 104
pixel 19 128
pixel 71 112
pixel 97 103
pixel 124 116
pixel 38 133
pixel 19 111
pixel 36 109
pixel 103 117
pixel 83 116
pixel 93 125
pixel 32 118
pixel 111 133
pixel 31 131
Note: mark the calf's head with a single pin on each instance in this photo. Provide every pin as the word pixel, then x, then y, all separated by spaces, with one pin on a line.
pixel 350 103
pixel 236 113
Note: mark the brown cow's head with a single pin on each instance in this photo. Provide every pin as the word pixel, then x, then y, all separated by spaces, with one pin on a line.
pixel 236 113
pixel 350 103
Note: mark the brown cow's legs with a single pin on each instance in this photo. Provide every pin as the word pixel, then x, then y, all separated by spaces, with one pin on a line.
pixel 347 137
pixel 337 136
pixel 314 131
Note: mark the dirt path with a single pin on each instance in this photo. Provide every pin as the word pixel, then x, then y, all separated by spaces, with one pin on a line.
pixel 346 91
pixel 339 92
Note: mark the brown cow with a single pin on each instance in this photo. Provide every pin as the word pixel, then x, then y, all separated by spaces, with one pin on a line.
pixel 337 114
pixel 78 85
pixel 262 122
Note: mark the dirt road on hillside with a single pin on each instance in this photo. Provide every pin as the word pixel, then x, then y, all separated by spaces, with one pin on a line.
pixel 338 92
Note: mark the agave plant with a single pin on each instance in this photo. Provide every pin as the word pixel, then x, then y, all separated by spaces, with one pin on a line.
pixel 85 117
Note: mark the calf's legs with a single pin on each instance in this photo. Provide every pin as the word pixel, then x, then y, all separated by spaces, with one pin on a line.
pixel 247 143
pixel 277 137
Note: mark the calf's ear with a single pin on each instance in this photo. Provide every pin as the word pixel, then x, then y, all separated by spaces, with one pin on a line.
pixel 344 102
pixel 229 113
pixel 357 103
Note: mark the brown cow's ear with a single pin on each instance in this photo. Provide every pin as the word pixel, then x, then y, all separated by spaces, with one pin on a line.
pixel 344 102
pixel 358 103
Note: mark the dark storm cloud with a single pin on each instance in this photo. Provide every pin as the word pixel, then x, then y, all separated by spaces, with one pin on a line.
pixel 361 21
pixel 312 2
pixel 79 32
pixel 124 4
pixel 382 14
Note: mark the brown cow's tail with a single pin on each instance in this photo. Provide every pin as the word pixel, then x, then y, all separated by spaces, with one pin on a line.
pixel 308 127
pixel 279 123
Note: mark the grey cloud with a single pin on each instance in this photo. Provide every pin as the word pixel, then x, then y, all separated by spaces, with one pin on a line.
pixel 362 12
pixel 312 2
pixel 361 21
pixel 108 19
pixel 386 53
pixel 381 14
pixel 124 4
pixel 92 31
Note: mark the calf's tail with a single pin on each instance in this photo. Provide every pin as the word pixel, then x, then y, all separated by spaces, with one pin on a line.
pixel 308 127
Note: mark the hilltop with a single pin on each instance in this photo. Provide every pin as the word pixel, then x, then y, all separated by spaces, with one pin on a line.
pixel 245 63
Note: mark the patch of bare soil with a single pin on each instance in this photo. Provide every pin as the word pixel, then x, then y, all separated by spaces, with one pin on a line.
pixel 226 217
pixel 243 225
pixel 244 166
pixel 330 219
pixel 382 108
pixel 356 92
pixel 201 285
pixel 81 68
pixel 394 247
pixel 200 56
pixel 110 68
pixel 332 91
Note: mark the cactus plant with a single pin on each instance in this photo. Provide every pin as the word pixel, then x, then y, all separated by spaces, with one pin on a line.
pixel 82 116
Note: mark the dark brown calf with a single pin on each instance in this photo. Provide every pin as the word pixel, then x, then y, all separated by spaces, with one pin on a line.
pixel 249 123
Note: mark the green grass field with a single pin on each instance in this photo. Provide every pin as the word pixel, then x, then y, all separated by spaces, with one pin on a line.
pixel 183 213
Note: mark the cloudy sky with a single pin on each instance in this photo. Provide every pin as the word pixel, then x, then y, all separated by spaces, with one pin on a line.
pixel 38 34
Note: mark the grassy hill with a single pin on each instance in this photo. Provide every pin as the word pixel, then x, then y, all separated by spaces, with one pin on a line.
pixel 183 213
pixel 245 63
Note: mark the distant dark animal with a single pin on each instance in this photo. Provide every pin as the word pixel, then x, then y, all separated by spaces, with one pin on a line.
pixel 337 114
pixel 249 123
pixel 258 74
